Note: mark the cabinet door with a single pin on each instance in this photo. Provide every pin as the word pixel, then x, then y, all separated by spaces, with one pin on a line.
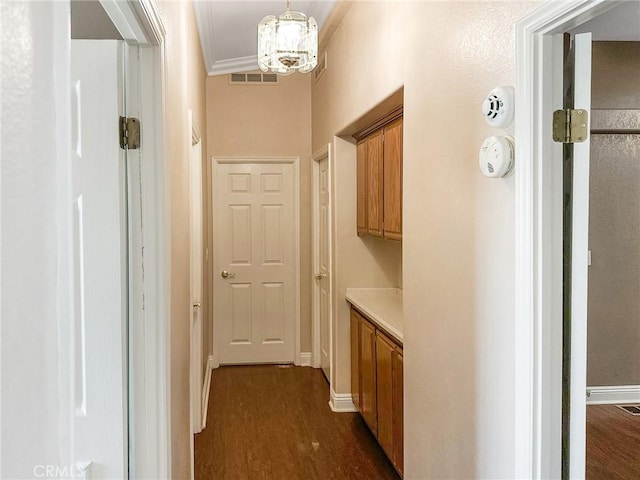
pixel 385 350
pixel 361 202
pixel 355 358
pixel 398 411
pixel 368 374
pixel 375 172
pixel 393 180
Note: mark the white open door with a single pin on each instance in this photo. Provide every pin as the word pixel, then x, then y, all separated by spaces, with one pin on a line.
pixel 196 278
pixel 322 244
pixel 100 260
pixel 576 340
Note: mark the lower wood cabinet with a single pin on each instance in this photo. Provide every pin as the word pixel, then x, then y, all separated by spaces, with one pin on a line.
pixel 368 387
pixel 398 411
pixel 355 358
pixel 377 385
pixel 384 377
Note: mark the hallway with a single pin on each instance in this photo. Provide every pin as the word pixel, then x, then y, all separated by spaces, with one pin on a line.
pixel 274 422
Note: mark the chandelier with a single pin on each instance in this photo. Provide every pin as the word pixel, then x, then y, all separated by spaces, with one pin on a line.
pixel 287 43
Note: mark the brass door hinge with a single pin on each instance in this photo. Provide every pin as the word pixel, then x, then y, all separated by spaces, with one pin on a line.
pixel 570 126
pixel 129 133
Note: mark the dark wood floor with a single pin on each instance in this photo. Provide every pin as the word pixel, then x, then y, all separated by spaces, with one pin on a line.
pixel 613 444
pixel 269 422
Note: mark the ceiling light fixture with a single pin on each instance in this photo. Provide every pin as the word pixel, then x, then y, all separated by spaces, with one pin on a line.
pixel 288 43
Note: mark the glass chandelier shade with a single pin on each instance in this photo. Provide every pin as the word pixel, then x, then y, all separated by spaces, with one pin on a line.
pixel 287 43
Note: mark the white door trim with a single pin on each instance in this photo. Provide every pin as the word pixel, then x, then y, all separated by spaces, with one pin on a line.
pixel 140 23
pixel 295 161
pixel 538 278
pixel 317 156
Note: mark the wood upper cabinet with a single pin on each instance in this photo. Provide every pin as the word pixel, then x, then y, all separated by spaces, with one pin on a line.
pixel 363 224
pixel 368 407
pixel 374 184
pixel 355 358
pixel 379 181
pixel 393 180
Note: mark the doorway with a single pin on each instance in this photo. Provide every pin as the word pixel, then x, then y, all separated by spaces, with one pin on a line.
pixel 322 261
pixel 551 421
pixel 134 371
pixel 256 263
pixel 613 308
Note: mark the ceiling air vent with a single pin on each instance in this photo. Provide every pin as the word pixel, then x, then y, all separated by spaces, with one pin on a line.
pixel 321 67
pixel 253 79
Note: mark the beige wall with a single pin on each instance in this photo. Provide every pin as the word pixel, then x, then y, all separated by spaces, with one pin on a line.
pixel 185 89
pixel 268 120
pixel 458 239
pixel 614 225
pixel 616 75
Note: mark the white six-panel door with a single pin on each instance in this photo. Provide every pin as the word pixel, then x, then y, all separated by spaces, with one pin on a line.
pixel 255 291
pixel 322 276
pixel 100 246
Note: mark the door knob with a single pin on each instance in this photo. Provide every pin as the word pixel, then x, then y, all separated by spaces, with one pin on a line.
pixel 320 276
pixel 196 305
pixel 225 274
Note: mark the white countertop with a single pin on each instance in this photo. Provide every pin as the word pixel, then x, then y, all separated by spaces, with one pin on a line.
pixel 382 305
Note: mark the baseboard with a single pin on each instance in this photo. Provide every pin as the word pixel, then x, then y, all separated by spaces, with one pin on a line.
pixel 206 389
pixel 304 359
pixel 341 402
pixel 613 394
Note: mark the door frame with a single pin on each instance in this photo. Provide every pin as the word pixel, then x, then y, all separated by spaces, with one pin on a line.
pixel 216 161
pixel 321 154
pixel 538 221
pixel 140 24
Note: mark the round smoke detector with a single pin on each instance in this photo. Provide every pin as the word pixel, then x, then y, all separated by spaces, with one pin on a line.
pixel 496 156
pixel 498 107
